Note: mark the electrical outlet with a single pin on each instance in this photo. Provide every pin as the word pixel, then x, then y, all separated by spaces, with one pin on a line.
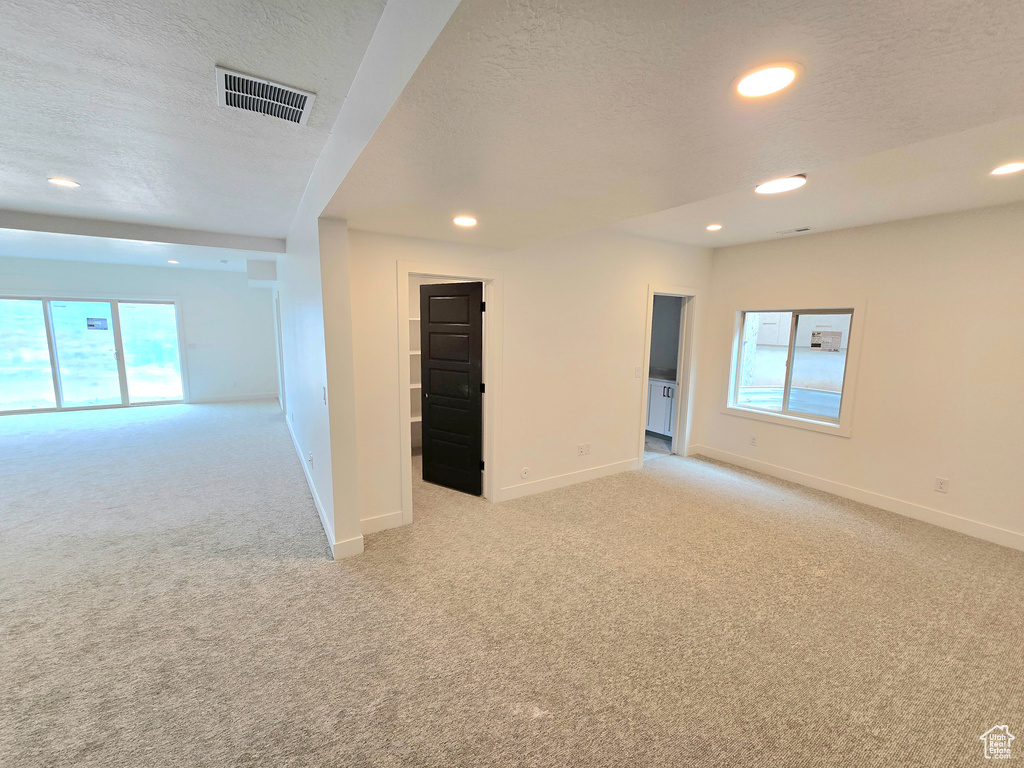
pixel 753 441
pixel 524 472
pixel 586 448
pixel 941 485
pixel 581 450
pixel 310 458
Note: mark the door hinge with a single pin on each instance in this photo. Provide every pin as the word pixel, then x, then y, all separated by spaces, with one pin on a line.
pixel 483 306
pixel 481 465
pixel 481 387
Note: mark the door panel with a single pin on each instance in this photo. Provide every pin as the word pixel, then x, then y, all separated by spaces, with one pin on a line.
pixel 451 340
pixel 658 407
pixel 450 384
pixel 83 338
pixel 449 346
pixel 149 340
pixel 26 378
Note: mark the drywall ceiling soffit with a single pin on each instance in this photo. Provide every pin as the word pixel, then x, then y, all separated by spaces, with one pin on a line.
pixel 60 246
pixel 121 97
pixel 942 175
pixel 545 117
pixel 120 230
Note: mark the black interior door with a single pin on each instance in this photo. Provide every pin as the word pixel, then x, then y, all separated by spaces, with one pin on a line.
pixel 451 344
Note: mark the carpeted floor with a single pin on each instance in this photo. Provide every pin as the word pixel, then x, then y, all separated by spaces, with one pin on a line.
pixel 167 599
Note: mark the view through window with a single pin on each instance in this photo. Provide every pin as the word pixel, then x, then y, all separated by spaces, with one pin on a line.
pixel 793 362
pixel 76 353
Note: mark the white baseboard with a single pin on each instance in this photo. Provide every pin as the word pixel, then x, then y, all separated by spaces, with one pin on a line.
pixel 964 525
pixel 347 548
pixel 560 481
pixel 233 398
pixel 381 522
pixel 324 519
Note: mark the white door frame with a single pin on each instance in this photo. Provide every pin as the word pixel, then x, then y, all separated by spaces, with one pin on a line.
pixel 682 406
pixel 492 280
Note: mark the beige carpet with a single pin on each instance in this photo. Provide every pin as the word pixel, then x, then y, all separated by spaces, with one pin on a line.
pixel 167 600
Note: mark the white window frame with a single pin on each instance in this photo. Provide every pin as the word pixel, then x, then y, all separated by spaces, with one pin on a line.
pixel 121 371
pixel 841 427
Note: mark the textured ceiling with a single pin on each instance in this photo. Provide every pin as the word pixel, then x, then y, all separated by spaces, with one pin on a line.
pixel 120 96
pixel 950 173
pixel 544 117
pixel 106 250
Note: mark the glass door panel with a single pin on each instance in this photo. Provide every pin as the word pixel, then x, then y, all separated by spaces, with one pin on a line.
pixel 26 378
pixel 83 337
pixel 149 340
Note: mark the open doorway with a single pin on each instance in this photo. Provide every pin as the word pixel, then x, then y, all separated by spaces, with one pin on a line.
pixel 446 369
pixel 666 374
pixel 411 279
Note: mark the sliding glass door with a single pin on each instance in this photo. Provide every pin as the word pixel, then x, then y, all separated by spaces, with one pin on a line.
pixel 26 376
pixel 76 353
pixel 149 337
pixel 86 353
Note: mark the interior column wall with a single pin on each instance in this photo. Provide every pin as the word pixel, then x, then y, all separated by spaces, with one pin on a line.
pixel 338 341
pixel 305 363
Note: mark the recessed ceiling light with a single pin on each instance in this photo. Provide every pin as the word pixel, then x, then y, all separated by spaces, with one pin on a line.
pixel 713 227
pixel 766 80
pixel 1008 168
pixel 57 182
pixel 171 261
pixel 464 221
pixel 781 185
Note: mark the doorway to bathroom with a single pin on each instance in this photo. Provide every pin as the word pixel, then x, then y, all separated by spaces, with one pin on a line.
pixel 666 375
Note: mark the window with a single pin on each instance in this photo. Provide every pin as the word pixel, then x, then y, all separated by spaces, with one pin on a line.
pixel 792 363
pixel 57 354
pixel 26 378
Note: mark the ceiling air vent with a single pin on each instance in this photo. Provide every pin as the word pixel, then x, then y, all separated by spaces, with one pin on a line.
pixel 797 231
pixel 250 93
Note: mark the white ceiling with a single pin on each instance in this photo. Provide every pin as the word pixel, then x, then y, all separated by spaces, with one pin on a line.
pixel 121 97
pixel 950 173
pixel 544 117
pixel 105 250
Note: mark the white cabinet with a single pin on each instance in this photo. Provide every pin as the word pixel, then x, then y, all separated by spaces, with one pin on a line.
pixel 660 406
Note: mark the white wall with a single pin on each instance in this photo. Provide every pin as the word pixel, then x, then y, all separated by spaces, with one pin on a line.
pixel 227 327
pixel 305 365
pixel 942 361
pixel 574 327
pixel 337 303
